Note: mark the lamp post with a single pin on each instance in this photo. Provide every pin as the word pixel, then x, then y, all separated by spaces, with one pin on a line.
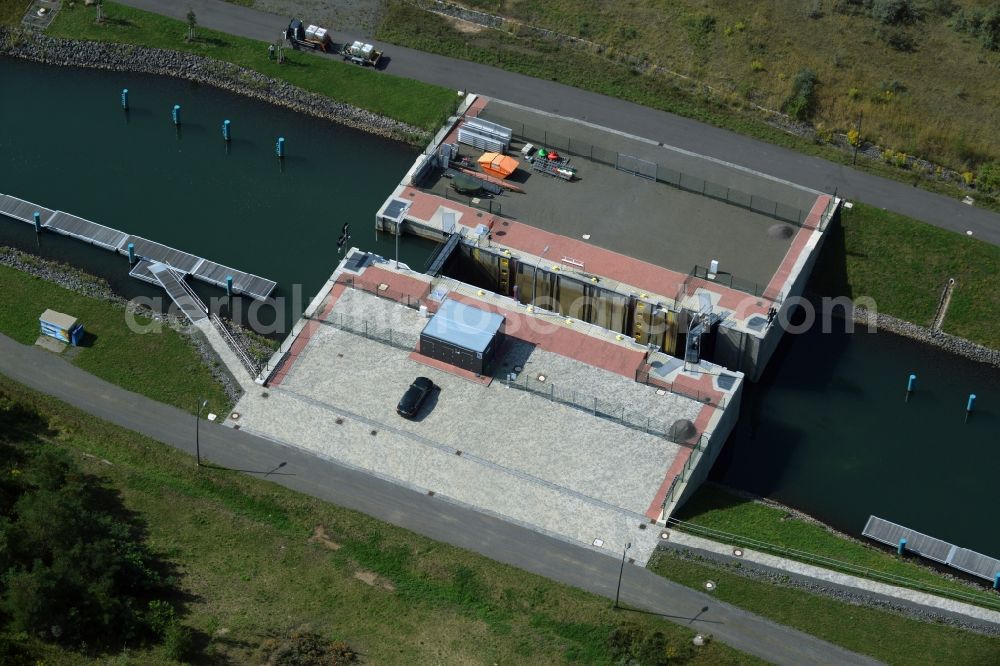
pixel 197 429
pixel 621 571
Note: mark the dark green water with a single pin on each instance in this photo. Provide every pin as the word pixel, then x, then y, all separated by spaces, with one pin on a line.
pixel 827 431
pixel 67 144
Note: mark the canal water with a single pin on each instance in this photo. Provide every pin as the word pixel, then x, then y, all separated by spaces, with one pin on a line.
pixel 828 431
pixel 66 143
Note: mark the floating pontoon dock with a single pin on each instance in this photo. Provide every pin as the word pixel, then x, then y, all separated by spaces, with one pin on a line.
pixel 962 559
pixel 181 263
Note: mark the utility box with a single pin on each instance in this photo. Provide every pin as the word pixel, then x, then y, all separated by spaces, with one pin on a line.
pixel 61 327
pixel 463 336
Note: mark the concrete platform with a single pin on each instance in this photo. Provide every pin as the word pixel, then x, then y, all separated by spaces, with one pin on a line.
pixel 526 456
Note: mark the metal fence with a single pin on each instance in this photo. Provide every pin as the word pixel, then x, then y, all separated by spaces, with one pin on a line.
pixel 709 398
pixel 401 339
pixel 658 172
pixel 637 420
pixel 985 600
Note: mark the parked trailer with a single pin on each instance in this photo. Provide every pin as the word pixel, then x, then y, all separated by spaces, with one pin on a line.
pixel 311 37
pixel 361 54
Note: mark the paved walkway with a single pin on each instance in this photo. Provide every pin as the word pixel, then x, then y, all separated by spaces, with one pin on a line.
pixel 435 518
pixel 623 116
pixel 900 595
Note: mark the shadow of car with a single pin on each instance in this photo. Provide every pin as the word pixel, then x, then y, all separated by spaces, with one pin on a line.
pixel 409 405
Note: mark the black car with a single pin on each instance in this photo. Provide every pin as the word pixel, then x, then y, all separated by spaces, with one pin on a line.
pixel 410 403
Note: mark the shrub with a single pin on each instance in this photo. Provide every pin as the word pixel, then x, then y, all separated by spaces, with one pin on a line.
pixel 178 642
pixel 989 176
pixel 801 103
pixel 756 65
pixel 983 24
pixel 815 10
pixel 968 178
pixel 854 137
pixel 854 93
pixel 897 39
pixel 895 12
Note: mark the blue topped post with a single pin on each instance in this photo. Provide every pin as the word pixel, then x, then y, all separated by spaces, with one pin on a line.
pixel 125 98
pixel 131 254
pixel 38 222
pixel 229 285
pixel 996 581
pixel 901 548
pixel 910 383
pixel 226 134
pixel 279 148
pixel 176 114
pixel 969 406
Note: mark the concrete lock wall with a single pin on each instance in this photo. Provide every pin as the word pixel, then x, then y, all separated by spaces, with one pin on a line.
pixel 720 434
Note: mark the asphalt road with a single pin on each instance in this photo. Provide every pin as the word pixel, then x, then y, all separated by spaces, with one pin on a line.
pixel 433 517
pixel 624 116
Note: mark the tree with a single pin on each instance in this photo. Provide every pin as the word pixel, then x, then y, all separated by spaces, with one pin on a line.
pixel 192 21
pixel 75 567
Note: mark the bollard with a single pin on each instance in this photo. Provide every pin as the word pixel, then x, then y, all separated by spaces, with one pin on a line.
pixel 131 254
pixel 279 148
pixel 910 383
pixel 38 222
pixel 229 285
pixel 901 548
pixel 969 406
pixel 125 98
pixel 176 114
pixel 226 133
pixel 996 582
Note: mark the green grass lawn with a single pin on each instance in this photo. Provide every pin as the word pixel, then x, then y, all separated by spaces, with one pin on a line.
pixel 887 636
pixel 253 571
pixel 714 508
pixel 904 264
pixel 164 366
pixel 419 104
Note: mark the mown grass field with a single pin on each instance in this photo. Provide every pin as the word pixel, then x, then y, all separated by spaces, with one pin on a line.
pixel 258 562
pixel 903 265
pixel 714 508
pixel 419 104
pixel 161 365
pixel 889 637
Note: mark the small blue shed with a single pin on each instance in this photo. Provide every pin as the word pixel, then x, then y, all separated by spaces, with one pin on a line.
pixel 61 327
pixel 463 336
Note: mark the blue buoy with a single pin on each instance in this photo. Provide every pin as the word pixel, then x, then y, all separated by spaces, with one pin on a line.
pixel 176 114
pixel 38 222
pixel 902 546
pixel 280 147
pixel 125 98
pixel 131 253
pixel 225 130
pixel 229 285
